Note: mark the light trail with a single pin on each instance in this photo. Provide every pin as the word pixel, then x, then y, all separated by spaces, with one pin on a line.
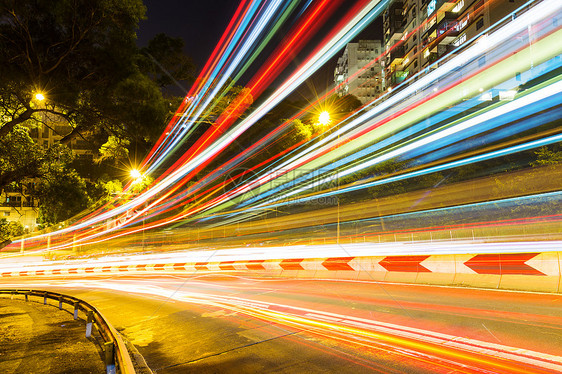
pixel 351 28
pixel 352 324
pixel 495 74
pixel 224 237
pixel 408 124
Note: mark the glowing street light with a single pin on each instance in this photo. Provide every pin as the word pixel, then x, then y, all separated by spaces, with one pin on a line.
pixel 324 118
pixel 39 96
pixel 135 174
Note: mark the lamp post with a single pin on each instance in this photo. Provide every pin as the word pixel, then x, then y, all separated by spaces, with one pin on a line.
pixel 324 119
pixel 338 196
pixel 137 177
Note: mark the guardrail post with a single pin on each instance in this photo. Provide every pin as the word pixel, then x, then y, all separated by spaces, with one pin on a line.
pixel 89 321
pixel 44 298
pixel 76 303
pixel 109 357
pixel 60 302
pixel 26 297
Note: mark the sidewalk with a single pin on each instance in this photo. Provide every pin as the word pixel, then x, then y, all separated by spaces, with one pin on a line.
pixel 37 338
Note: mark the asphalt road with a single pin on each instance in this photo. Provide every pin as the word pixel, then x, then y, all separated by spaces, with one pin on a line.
pixel 228 324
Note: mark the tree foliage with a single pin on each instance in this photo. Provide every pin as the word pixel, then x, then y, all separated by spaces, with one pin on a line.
pixel 164 61
pixel 9 230
pixel 21 158
pixel 62 196
pixel 82 56
pixel 114 149
pixel 546 156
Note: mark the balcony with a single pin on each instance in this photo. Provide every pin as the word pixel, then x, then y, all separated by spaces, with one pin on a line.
pixel 13 188
pixel 441 5
pixel 17 204
pixel 450 16
pixel 445 35
pixel 397 77
pixel 397 52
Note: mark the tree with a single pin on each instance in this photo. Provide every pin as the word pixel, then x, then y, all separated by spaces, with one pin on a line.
pixel 546 156
pixel 81 56
pixel 110 188
pixel 165 63
pixel 302 131
pixel 9 230
pixel 115 148
pixel 21 158
pixel 62 196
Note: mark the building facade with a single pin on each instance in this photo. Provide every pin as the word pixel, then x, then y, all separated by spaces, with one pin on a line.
pixel 18 204
pixel 365 85
pixel 420 32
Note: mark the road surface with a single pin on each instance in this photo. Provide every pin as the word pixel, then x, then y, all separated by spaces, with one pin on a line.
pixel 235 324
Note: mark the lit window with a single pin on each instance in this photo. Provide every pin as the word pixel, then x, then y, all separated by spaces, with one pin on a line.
pixel 431 7
pixel 460 40
pixel 487 96
pixel 462 23
pixel 507 95
pixel 458 7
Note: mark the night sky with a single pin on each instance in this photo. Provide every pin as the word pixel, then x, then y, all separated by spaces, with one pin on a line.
pixel 201 24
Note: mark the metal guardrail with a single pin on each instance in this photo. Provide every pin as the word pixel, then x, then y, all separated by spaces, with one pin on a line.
pixel 117 359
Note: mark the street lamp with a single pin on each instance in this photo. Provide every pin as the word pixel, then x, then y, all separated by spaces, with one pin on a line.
pixel 324 118
pixel 136 175
pixel 39 96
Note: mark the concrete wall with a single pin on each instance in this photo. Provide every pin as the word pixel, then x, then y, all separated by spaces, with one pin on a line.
pixel 515 271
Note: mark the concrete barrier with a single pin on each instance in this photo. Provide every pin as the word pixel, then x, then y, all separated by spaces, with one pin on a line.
pixel 516 271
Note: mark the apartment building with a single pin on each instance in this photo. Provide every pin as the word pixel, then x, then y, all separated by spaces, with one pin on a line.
pixel 417 33
pixel 365 85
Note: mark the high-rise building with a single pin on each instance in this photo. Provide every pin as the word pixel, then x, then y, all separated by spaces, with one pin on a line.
pixel 393 29
pixel 365 85
pixel 420 32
